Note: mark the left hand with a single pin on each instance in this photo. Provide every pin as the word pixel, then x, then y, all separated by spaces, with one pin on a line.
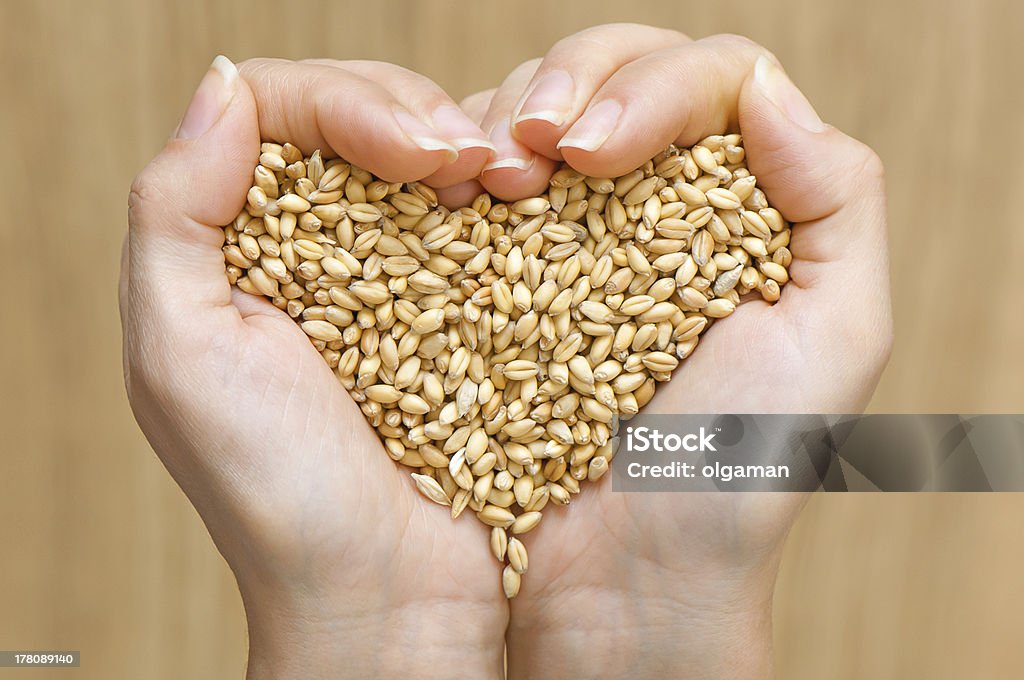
pixel 649 585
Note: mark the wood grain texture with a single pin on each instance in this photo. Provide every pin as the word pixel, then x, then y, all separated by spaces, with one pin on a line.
pixel 102 553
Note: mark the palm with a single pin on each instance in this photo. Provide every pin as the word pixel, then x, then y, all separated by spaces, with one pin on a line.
pixel 604 540
pixel 337 474
pixel 316 471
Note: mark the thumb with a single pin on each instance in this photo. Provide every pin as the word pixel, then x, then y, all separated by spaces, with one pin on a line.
pixel 178 202
pixel 810 171
pixel 832 188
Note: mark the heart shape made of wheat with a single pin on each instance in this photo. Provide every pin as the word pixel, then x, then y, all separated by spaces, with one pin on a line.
pixel 493 347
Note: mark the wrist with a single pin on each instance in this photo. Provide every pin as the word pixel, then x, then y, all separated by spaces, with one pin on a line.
pixel 646 632
pixel 350 637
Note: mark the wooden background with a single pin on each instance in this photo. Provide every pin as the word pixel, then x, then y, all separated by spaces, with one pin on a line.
pixel 99 551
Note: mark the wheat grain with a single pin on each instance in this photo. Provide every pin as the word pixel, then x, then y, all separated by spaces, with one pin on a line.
pixel 493 347
pixel 429 487
pixel 510 581
pixel 517 557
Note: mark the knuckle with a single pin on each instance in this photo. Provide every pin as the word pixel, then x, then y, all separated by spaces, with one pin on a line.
pixel 477 98
pixel 603 48
pixel 141 193
pixel 866 166
pixel 870 165
pixel 612 27
pixel 741 44
pixel 623 30
pixel 602 30
pixel 526 68
pixel 257 64
pixel 250 63
pixel 735 40
pixel 149 196
pixel 317 61
pixel 143 197
pixel 599 38
pixel 386 73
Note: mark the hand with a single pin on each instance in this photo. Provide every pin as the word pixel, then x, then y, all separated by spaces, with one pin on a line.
pixel 667 585
pixel 336 555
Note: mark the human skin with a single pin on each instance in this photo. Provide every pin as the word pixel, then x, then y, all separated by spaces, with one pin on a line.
pixel 343 569
pixel 341 565
pixel 680 584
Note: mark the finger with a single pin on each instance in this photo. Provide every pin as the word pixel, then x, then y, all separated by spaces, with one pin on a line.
pixel 431 104
pixel 462 194
pixel 680 94
pixel 515 171
pixel 572 72
pixel 834 187
pixel 323 107
pixel 175 267
pixel 833 321
pixel 476 105
pixel 810 170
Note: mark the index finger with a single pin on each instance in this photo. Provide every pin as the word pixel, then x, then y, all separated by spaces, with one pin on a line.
pixel 676 95
pixel 316 106
pixel 572 71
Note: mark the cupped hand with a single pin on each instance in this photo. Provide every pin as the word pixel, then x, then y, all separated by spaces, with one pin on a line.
pixel 680 584
pixel 334 552
pixel 342 566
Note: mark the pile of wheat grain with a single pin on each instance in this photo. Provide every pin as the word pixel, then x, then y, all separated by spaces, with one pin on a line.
pixel 493 347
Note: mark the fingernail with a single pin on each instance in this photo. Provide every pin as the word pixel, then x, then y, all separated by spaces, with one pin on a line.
pixel 509 153
pixel 424 136
pixel 461 143
pixel 514 163
pixel 211 98
pixel 776 86
pixel 458 129
pixel 550 100
pixel 594 128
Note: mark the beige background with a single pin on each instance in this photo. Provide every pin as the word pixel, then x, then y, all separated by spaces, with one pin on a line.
pixel 100 552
